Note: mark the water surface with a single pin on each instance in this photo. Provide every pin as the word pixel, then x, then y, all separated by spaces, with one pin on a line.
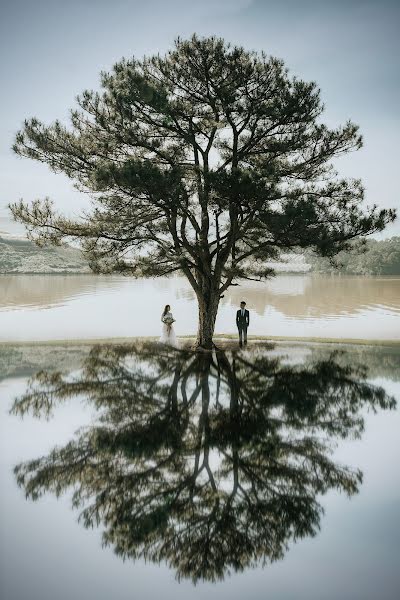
pixel 266 472
pixel 64 307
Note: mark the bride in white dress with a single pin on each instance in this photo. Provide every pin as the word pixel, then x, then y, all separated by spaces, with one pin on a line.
pixel 168 333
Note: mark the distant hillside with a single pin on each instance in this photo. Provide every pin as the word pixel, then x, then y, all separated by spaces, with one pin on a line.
pixel 23 256
pixel 380 258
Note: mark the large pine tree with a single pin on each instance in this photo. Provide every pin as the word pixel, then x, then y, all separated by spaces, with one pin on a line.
pixel 208 161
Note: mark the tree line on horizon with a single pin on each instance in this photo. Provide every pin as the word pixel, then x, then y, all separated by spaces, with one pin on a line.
pixel 378 257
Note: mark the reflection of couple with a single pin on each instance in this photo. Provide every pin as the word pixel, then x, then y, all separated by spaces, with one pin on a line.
pixel 168 332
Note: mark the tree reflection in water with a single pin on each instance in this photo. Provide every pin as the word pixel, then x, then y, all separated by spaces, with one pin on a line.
pixel 210 462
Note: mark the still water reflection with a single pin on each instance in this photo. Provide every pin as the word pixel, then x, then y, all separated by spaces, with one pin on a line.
pixel 64 307
pixel 209 463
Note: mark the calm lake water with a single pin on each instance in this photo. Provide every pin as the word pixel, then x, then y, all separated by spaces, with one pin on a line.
pixel 64 307
pixel 270 472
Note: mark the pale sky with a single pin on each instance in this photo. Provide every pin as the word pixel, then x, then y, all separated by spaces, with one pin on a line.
pixel 51 50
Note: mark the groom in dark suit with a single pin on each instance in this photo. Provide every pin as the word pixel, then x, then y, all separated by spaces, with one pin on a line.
pixel 242 322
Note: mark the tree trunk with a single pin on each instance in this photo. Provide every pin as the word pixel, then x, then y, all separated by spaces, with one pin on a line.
pixel 208 308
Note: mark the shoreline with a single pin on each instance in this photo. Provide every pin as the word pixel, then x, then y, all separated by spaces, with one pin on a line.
pixel 395 276
pixel 220 336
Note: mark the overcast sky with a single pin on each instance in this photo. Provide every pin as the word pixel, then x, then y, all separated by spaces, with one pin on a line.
pixel 52 50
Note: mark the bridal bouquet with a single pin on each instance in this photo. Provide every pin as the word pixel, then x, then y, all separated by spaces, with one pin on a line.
pixel 168 320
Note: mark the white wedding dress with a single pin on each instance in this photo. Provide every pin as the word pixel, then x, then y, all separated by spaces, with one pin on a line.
pixel 168 332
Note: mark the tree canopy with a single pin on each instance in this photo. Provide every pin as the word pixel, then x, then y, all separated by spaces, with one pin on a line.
pixel 210 462
pixel 206 161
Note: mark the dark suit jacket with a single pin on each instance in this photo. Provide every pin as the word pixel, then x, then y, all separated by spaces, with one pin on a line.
pixel 242 322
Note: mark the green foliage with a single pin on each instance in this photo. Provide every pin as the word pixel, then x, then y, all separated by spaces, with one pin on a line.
pixel 211 462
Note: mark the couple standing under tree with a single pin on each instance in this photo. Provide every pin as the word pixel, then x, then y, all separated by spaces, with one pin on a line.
pixel 168 332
